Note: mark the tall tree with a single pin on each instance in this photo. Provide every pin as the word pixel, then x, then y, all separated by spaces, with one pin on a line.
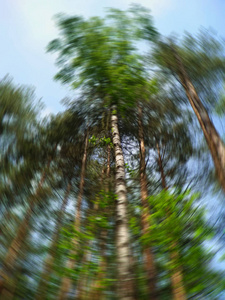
pixel 101 56
pixel 148 253
pixel 48 265
pixel 138 128
pixel 176 276
pixel 18 126
pixel 66 282
pixel 18 241
pixel 199 67
pixel 126 287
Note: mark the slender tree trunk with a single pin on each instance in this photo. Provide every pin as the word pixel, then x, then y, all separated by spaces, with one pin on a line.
pixel 125 276
pixel 176 276
pixel 163 178
pixel 66 282
pixel 49 262
pixel 98 293
pixel 108 165
pixel 17 243
pixel 98 290
pixel 82 285
pixel 18 283
pixel 215 144
pixel 149 263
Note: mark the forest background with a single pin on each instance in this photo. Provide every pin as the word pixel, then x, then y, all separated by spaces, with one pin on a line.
pixel 29 29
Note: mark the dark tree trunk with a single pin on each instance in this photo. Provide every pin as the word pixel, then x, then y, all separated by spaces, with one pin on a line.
pixel 43 285
pixel 215 144
pixel 13 253
pixel 66 282
pixel 98 288
pixel 149 263
pixel 176 276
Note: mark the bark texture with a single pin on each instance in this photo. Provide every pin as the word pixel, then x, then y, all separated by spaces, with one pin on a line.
pixel 66 281
pixel 215 144
pixel 125 280
pixel 148 254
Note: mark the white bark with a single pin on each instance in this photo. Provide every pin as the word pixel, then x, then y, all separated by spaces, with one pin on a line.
pixel 125 281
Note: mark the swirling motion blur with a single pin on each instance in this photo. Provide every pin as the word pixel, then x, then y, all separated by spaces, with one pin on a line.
pixel 106 199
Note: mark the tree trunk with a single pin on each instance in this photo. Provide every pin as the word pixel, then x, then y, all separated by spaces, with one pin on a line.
pixel 125 276
pixel 149 263
pixel 15 247
pixel 82 284
pixel 66 282
pixel 176 276
pixel 43 285
pixel 98 287
pixel 215 144
pixel 163 178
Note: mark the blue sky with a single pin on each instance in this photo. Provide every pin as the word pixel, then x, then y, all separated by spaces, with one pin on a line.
pixel 27 26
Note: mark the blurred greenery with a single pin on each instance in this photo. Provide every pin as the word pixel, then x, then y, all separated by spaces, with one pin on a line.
pixel 64 196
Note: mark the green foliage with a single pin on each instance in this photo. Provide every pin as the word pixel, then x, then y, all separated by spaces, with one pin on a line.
pixel 203 59
pixel 175 215
pixel 99 54
pixel 130 171
pixel 100 57
pixel 220 107
pixel 178 224
pixel 102 142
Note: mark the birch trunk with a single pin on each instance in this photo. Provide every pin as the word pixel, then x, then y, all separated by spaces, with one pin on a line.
pixel 125 280
pixel 178 289
pixel 215 144
pixel 149 263
pixel 43 285
pixel 66 282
